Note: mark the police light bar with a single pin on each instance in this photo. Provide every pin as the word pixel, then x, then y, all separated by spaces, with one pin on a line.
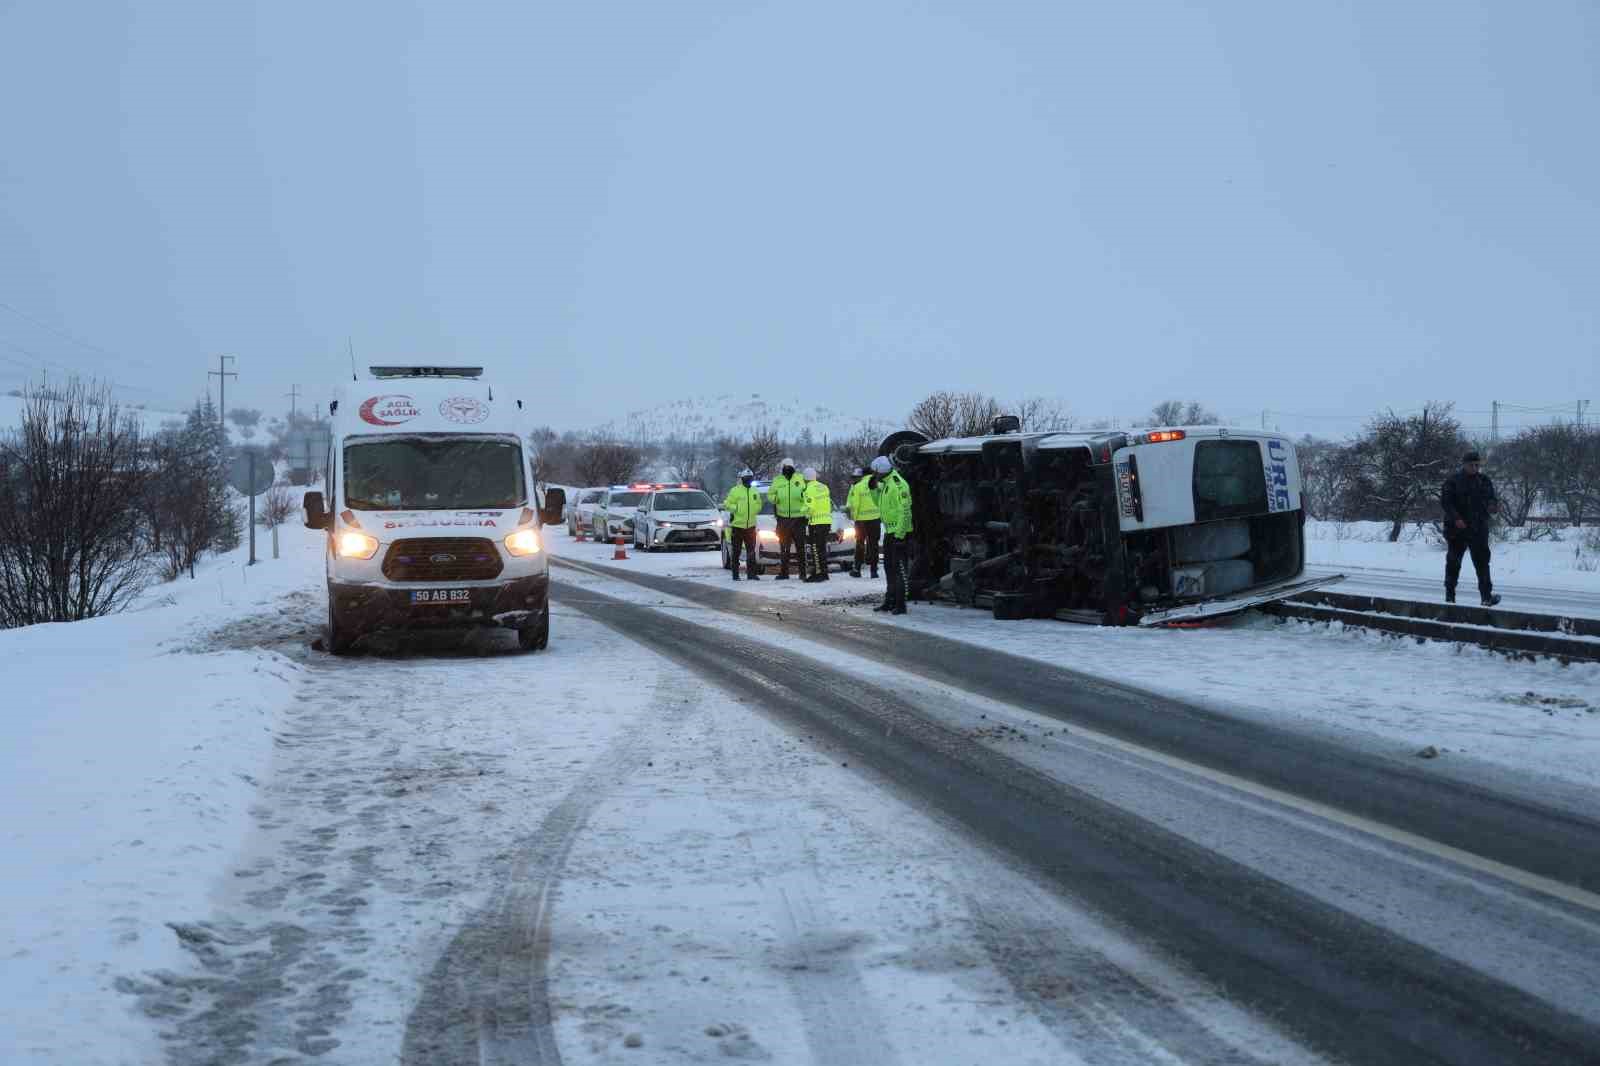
pixel 1161 436
pixel 426 371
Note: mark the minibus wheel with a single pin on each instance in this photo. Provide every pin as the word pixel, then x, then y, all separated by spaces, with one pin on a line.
pixel 341 635
pixel 537 636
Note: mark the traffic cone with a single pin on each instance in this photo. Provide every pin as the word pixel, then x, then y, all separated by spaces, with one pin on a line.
pixel 621 552
pixel 582 535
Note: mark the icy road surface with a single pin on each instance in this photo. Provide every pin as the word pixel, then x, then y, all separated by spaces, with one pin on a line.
pixel 690 834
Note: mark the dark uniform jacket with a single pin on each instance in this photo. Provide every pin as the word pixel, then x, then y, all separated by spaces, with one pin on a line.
pixel 1467 496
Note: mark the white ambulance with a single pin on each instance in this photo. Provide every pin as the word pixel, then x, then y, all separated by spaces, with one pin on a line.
pixel 432 511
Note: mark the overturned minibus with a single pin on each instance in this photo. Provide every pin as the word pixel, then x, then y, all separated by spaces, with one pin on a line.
pixel 1147 527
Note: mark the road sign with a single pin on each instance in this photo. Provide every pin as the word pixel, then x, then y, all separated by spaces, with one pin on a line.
pixel 251 470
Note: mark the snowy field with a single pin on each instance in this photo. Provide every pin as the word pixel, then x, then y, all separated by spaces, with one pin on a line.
pixel 188 781
pixel 1568 564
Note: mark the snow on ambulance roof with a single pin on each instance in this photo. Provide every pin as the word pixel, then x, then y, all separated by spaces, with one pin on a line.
pixel 423 405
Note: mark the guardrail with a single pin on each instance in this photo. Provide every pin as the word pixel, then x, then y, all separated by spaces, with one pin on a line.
pixel 1570 639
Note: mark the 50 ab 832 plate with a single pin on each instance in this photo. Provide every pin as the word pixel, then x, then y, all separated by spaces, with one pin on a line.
pixel 441 596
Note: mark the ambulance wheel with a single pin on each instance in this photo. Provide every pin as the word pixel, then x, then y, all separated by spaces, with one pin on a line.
pixel 537 636
pixel 342 636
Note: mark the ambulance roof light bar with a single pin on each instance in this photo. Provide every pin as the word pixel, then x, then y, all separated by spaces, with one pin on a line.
pixel 426 371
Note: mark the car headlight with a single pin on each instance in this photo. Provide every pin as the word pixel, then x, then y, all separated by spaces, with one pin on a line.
pixel 767 534
pixel 523 542
pixel 716 523
pixel 663 525
pixel 353 545
pixel 849 533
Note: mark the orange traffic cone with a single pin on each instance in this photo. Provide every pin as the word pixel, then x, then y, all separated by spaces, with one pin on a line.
pixel 621 552
pixel 582 535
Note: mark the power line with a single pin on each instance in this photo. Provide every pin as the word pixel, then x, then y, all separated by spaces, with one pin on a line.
pixel 43 369
pixel 71 339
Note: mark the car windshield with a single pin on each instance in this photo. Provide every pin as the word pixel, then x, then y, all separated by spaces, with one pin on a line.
pixel 682 501
pixel 590 496
pixel 433 474
pixel 626 499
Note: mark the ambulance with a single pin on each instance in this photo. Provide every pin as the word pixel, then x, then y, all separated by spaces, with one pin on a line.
pixel 431 508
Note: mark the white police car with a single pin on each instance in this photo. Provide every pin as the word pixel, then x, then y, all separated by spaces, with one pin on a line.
pixel 613 512
pixel 677 517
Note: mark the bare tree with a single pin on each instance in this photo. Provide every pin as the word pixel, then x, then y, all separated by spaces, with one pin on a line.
pixel 1179 413
pixel 1404 459
pixel 608 463
pixel 687 456
pixel 69 534
pixel 246 418
pixel 1040 414
pixel 277 507
pixel 953 414
pixel 761 451
pixel 187 496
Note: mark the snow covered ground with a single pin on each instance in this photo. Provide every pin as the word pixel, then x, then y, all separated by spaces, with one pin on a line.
pixel 1364 548
pixel 189 782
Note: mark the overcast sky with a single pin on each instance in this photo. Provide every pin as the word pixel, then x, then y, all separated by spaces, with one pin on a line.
pixel 1318 209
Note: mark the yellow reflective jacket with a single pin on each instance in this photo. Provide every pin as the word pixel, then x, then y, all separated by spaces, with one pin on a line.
pixel 788 496
pixel 819 504
pixel 860 504
pixel 742 505
pixel 894 497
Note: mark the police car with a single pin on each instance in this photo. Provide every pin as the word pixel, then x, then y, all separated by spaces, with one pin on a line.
pixel 677 516
pixel 580 509
pixel 613 512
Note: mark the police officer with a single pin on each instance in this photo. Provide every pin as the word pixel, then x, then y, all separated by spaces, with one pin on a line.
pixel 819 513
pixel 894 501
pixel 743 504
pixel 862 506
pixel 787 493
pixel 1468 499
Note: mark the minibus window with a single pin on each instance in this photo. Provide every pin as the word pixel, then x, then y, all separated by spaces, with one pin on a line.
pixel 422 474
pixel 1229 481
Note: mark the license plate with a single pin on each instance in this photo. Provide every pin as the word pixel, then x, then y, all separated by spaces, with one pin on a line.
pixel 441 596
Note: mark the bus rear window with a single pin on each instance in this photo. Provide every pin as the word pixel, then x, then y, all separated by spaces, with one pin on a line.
pixel 1229 481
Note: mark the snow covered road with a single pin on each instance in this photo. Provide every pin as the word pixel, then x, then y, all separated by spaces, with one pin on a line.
pixel 692 831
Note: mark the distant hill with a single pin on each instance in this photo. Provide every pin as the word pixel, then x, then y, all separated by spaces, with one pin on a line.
pixel 149 419
pixel 740 414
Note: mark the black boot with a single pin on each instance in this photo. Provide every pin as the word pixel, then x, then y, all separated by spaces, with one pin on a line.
pixel 874 574
pixel 1449 594
pixel 754 576
pixel 736 574
pixel 855 571
pixel 783 575
pixel 1491 598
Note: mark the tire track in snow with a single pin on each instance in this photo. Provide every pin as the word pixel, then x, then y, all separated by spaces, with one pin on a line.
pixel 817 956
pixel 487 999
pixel 1343 986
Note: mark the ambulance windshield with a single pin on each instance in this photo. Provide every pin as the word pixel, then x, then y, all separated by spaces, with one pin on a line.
pixel 433 474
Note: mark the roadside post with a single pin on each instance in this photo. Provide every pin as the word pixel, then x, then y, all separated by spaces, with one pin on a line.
pixel 251 473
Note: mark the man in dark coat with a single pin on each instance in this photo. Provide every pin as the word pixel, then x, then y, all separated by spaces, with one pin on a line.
pixel 1468 500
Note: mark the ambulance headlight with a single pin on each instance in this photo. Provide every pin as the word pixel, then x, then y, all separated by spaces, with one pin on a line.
pixel 523 542
pixel 353 545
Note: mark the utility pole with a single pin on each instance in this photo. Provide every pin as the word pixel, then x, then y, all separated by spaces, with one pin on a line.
pixel 1263 418
pixel 294 397
pixel 1494 423
pixel 222 374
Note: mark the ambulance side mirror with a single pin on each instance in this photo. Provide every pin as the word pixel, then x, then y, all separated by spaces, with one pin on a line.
pixel 555 503
pixel 317 516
